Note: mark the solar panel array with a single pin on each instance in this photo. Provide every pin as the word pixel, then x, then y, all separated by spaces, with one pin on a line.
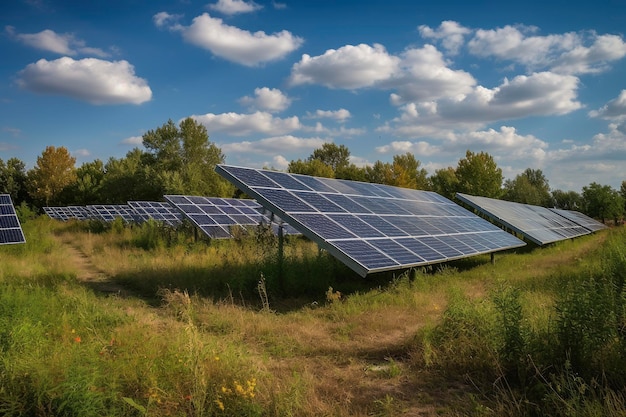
pixel 216 216
pixel 581 219
pixel 372 227
pixel 59 213
pixel 538 224
pixel 156 210
pixel 10 227
pixel 109 212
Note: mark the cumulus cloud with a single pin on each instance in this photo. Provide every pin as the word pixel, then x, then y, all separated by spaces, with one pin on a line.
pixel 62 44
pixel 340 115
pixel 232 7
pixel 420 148
pixel 450 33
pixel 268 99
pixel 236 124
pixel 93 80
pixel 274 145
pixel 81 153
pixel 425 76
pixel 613 110
pixel 231 43
pixel 569 53
pixel 280 162
pixel 349 67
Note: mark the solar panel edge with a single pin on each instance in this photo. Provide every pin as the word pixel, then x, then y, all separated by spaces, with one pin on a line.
pixel 11 235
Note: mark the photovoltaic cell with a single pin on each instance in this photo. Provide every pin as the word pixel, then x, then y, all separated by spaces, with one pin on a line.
pixel 58 213
pixel 581 219
pixel 109 212
pixel 10 227
pixel 157 210
pixel 216 216
pixel 371 227
pixel 537 224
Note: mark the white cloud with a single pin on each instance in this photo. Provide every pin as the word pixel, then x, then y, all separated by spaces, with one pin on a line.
pixel 93 80
pixel 236 124
pixel 268 99
pixel 613 110
pixel 274 145
pixel 451 34
pixel 280 162
pixel 164 19
pixel 420 148
pixel 231 7
pixel 133 140
pixel 425 76
pixel 15 132
pixel 62 44
pixel 569 53
pixel 349 67
pixel 340 115
pixel 539 94
pixel 237 45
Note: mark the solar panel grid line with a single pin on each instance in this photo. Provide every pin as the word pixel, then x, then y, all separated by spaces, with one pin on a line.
pixel 355 221
pixel 10 228
pixel 581 219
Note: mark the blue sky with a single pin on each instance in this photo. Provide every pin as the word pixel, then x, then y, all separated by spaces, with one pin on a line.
pixel 536 84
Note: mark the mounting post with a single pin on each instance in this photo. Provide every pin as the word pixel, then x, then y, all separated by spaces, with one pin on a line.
pixel 493 258
pixel 281 253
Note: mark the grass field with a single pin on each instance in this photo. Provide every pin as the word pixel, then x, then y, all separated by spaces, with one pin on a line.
pixel 144 321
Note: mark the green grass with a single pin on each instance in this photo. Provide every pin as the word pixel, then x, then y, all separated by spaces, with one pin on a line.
pixel 538 333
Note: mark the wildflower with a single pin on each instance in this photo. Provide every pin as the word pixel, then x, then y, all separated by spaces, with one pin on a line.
pixel 77 339
pixel 220 404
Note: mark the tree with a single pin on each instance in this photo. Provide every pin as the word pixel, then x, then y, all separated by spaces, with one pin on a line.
pixel 529 187
pixel 184 159
pixel 336 157
pixel 129 179
pixel 351 172
pixel 313 167
pixel 478 174
pixel 13 180
pixel 566 200
pixel 622 192
pixel 404 171
pixel 53 172
pixel 445 182
pixel 88 186
pixel 602 202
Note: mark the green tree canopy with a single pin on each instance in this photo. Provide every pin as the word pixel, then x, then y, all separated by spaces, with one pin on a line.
pixel 567 200
pixel 129 179
pixel 88 186
pixel 335 156
pixel 13 180
pixel 445 182
pixel 602 202
pixel 313 167
pixel 529 187
pixel 184 160
pixel 404 171
pixel 478 174
pixel 53 172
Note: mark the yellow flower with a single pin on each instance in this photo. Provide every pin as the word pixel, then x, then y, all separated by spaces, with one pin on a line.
pixel 220 404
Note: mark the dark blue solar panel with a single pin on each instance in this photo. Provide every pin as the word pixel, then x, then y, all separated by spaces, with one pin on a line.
pixel 581 219
pixel 370 227
pixel 10 227
pixel 158 211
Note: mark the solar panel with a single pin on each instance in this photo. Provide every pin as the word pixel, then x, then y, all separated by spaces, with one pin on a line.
pixel 216 216
pixel 372 227
pixel 581 219
pixel 538 224
pixel 156 210
pixel 58 213
pixel 10 227
pixel 109 212
pixel 80 212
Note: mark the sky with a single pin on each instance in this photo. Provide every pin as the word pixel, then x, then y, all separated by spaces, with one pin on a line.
pixel 535 84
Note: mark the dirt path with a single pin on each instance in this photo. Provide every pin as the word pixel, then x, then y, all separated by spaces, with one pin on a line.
pixel 88 273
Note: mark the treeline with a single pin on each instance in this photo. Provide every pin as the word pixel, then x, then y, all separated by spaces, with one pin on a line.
pixel 180 159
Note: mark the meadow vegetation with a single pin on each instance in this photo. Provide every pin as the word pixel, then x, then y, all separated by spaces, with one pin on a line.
pixel 116 320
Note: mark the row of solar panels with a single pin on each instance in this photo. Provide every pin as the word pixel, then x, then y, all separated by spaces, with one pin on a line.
pixel 369 227
pixel 214 216
pixel 374 227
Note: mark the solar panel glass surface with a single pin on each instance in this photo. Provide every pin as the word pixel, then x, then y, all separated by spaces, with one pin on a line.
pixel 157 210
pixel 581 219
pixel 538 224
pixel 371 227
pixel 10 227
pixel 109 212
pixel 58 213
